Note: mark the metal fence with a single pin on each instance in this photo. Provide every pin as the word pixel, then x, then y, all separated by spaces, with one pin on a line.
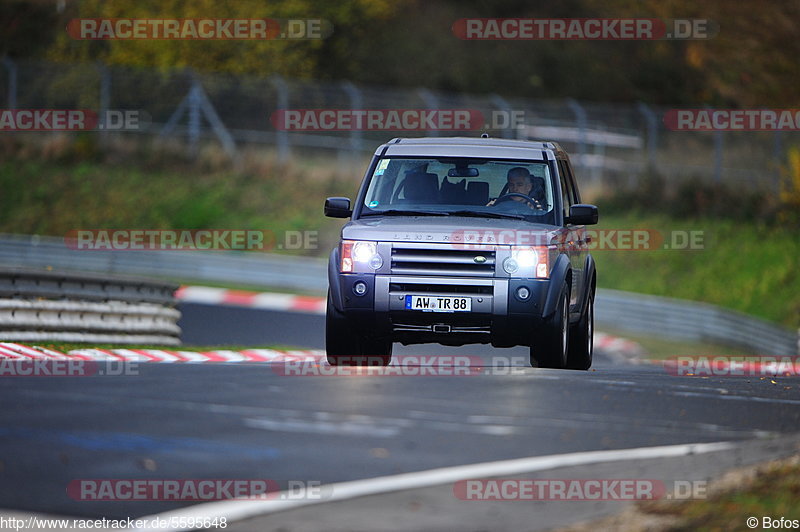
pixel 651 315
pixel 691 321
pixel 66 306
pixel 609 142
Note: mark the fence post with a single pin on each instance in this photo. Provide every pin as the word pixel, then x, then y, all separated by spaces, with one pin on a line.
pixel 432 103
pixel 196 103
pixel 217 126
pixel 718 147
pixel 283 104
pixel 777 155
pixel 580 119
pixel 105 100
pixel 173 119
pixel 652 133
pixel 11 67
pixel 356 102
pixel 194 117
pixel 502 104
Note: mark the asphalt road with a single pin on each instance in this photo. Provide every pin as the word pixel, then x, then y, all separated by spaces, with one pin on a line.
pixel 243 421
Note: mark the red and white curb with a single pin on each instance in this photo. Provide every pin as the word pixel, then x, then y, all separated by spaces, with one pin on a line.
pixel 262 300
pixel 722 366
pixel 19 351
pixel 618 347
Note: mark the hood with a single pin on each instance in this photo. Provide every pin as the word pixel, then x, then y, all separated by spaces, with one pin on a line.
pixel 449 229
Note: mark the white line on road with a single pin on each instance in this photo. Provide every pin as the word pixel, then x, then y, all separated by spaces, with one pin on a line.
pixel 237 510
pixel 322 427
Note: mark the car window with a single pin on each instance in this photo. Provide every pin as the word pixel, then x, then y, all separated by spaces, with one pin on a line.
pixel 458 184
pixel 566 187
pixel 573 184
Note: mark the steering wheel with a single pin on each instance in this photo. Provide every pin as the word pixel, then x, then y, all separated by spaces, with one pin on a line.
pixel 510 196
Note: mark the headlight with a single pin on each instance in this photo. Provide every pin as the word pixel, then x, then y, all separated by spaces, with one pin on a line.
pixel 527 261
pixel 363 251
pixel 525 257
pixel 358 254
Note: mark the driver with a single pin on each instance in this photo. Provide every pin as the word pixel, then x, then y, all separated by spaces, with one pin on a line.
pixel 520 181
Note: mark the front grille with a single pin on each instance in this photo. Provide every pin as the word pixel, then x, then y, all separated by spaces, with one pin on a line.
pixel 431 261
pixel 414 288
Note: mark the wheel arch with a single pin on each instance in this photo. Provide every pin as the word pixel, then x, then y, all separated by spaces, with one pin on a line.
pixel 560 274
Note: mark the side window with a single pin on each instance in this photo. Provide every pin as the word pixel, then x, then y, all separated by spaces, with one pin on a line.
pixel 566 186
pixel 576 196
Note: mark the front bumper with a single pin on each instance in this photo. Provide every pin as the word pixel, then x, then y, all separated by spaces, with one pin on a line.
pixel 498 315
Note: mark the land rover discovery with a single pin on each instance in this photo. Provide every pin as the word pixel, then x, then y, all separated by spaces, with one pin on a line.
pixel 463 240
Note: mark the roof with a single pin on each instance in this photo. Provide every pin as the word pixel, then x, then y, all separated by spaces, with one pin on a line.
pixel 470 147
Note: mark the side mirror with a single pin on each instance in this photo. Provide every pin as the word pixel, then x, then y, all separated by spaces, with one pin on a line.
pixel 338 208
pixel 582 214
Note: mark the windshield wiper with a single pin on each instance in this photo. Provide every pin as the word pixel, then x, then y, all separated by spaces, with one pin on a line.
pixel 482 214
pixel 399 212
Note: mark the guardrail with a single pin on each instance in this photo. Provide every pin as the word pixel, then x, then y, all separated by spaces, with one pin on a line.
pixel 305 274
pixel 625 311
pixel 688 320
pixel 46 305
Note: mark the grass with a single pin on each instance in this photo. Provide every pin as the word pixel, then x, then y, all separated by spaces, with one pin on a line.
pixel 745 267
pixel 136 195
pixel 773 492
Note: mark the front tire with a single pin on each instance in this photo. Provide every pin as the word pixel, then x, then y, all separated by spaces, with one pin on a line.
pixel 375 352
pixel 549 348
pixel 581 339
pixel 344 347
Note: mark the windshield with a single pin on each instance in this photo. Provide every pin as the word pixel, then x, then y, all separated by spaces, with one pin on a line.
pixel 463 187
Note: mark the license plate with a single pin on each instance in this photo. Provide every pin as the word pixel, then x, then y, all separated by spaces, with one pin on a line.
pixel 439 303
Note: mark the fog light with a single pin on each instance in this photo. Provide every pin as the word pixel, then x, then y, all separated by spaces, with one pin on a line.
pixel 510 265
pixel 523 293
pixel 376 262
pixel 360 288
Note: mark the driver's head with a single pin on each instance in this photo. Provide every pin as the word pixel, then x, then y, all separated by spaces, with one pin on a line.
pixel 520 181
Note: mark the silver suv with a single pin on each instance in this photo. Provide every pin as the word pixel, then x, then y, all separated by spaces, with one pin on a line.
pixel 463 240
